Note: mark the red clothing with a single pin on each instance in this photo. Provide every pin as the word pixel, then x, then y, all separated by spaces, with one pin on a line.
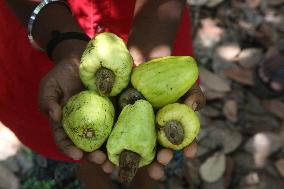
pixel 22 67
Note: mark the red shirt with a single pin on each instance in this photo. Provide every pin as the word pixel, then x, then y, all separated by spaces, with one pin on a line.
pixel 22 67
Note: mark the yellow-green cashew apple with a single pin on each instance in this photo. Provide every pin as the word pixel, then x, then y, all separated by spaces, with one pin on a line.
pixel 164 80
pixel 178 125
pixel 132 142
pixel 88 119
pixel 106 64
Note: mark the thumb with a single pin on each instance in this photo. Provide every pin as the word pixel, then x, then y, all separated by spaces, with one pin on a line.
pixel 54 111
pixel 195 98
pixel 49 102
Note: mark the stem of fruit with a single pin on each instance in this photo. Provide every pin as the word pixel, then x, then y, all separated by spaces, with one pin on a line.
pixel 129 96
pixel 104 81
pixel 174 132
pixel 128 165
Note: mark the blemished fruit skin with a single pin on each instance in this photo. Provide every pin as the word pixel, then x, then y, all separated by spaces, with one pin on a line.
pixel 164 80
pixel 109 51
pixel 183 114
pixel 134 131
pixel 88 119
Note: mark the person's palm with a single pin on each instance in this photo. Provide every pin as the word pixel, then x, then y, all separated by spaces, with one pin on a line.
pixel 62 82
pixel 195 99
pixel 56 88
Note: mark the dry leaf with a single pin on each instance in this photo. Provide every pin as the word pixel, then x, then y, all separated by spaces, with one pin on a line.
pixel 258 123
pixel 213 168
pixel 276 107
pixel 221 136
pixel 213 3
pixel 204 120
pixel 213 95
pixel 209 34
pixel 249 58
pixel 262 145
pixel 261 180
pixel 225 56
pixel 219 184
pixel 213 82
pixel 230 110
pixel 253 3
pixel 253 105
pixel 275 2
pixel 209 111
pixel 244 162
pixel 230 165
pixel 240 75
pixel 197 2
pixel 279 164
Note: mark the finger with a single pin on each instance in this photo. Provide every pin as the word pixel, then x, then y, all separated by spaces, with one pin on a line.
pixel 156 171
pixel 68 148
pixel 49 101
pixel 59 134
pixel 54 111
pixel 164 156
pixel 65 144
pixel 108 167
pixel 195 98
pixel 97 157
pixel 190 151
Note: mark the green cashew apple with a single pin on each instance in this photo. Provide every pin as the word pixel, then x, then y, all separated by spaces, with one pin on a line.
pixel 178 125
pixel 88 119
pixel 164 80
pixel 132 142
pixel 106 64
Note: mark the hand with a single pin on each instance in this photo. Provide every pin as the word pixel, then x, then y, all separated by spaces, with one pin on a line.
pixel 193 98
pixel 55 89
pixel 62 82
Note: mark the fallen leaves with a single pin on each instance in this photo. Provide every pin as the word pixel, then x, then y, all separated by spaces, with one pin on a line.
pixel 241 75
pixel 230 110
pixel 280 166
pixel 213 168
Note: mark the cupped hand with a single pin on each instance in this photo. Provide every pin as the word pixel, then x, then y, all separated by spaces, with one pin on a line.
pixel 61 83
pixel 195 99
pixel 56 88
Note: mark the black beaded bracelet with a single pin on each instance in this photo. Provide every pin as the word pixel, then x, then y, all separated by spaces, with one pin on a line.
pixel 59 37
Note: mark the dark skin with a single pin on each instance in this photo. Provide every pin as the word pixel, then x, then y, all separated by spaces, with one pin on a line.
pixel 159 19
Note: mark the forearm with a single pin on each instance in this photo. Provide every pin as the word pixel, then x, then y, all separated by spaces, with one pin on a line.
pixel 54 17
pixel 154 28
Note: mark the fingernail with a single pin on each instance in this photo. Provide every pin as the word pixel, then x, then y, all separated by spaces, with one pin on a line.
pixel 194 106
pixel 108 167
pixel 97 157
pixel 52 116
pixel 76 155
